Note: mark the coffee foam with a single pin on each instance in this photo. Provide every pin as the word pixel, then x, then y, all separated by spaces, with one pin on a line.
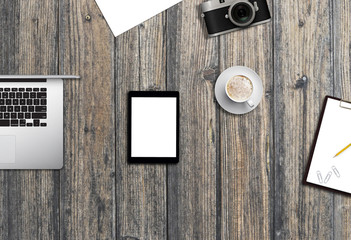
pixel 239 88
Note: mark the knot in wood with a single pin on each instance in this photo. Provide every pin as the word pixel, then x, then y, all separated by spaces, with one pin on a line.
pixel 301 82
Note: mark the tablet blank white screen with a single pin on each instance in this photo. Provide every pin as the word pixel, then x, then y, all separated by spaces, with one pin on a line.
pixel 154 127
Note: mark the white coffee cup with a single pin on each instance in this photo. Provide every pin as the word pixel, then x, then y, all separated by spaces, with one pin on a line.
pixel 240 88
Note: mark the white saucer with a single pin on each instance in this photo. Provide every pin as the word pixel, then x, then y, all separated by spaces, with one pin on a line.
pixel 225 102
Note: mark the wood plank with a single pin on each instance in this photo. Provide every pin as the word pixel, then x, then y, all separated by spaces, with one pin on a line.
pixel 192 67
pixel 8 31
pixel 141 189
pixel 29 199
pixel 9 23
pixel 302 77
pixel 247 141
pixel 87 200
pixel 342 69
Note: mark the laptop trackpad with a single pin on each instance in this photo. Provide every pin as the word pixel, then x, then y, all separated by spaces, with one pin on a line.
pixel 7 149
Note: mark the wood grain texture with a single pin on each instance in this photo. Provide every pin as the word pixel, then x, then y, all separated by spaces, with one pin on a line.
pixel 342 69
pixel 246 141
pixel 9 20
pixel 303 74
pixel 141 189
pixel 239 177
pixel 29 199
pixel 8 31
pixel 192 71
pixel 87 203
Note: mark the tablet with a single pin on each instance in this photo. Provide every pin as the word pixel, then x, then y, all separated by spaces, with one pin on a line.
pixel 153 127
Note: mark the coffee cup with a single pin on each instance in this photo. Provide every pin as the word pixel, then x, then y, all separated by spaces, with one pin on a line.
pixel 239 89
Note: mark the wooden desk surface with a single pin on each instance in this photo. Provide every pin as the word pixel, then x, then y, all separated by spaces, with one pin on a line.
pixel 239 177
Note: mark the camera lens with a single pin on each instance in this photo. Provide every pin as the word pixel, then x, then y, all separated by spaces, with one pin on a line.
pixel 242 14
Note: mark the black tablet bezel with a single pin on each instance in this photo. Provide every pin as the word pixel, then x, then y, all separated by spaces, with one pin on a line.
pixel 135 94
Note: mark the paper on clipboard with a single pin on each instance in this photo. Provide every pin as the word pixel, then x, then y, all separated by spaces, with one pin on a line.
pixel 122 15
pixel 334 134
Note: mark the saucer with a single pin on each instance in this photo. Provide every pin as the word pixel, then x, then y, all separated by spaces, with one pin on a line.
pixel 225 102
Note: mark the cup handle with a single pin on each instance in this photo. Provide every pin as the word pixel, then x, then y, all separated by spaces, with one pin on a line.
pixel 250 103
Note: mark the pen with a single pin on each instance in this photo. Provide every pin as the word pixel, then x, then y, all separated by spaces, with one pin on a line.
pixel 343 150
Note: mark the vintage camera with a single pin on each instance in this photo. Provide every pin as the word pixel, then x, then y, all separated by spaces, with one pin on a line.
pixel 224 16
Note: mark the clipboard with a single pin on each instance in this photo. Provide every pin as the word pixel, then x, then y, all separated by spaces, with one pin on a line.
pixel 333 132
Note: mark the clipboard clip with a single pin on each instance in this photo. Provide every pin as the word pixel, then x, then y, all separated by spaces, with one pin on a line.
pixel 345 104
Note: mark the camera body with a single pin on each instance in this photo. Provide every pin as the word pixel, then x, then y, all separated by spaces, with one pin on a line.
pixel 224 16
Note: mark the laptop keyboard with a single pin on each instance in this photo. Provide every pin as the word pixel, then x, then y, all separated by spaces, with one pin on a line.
pixel 23 107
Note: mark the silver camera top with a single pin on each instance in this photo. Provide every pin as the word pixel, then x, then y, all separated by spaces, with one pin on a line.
pixel 215 4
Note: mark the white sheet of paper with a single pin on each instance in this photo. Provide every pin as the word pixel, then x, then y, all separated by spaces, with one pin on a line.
pixel 122 15
pixel 334 135
pixel 154 127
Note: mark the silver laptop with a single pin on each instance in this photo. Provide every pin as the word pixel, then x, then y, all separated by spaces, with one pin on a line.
pixel 31 122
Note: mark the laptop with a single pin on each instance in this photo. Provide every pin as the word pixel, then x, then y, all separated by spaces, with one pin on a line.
pixel 31 121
